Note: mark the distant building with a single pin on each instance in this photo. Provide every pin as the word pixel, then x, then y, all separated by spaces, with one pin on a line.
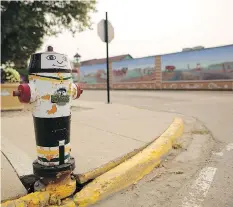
pixel 75 64
pixel 103 60
pixel 77 58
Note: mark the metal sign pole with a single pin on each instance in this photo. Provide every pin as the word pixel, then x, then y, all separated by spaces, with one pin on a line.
pixel 106 39
pixel 105 31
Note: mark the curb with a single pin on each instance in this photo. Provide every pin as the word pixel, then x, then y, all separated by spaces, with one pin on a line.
pixel 37 199
pixel 132 170
pixel 33 199
pixel 52 194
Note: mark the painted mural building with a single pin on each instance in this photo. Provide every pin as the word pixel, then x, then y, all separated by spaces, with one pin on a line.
pixel 134 70
pixel 210 68
pixel 93 74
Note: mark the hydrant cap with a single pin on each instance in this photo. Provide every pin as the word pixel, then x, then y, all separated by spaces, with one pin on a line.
pixel 24 93
pixel 50 49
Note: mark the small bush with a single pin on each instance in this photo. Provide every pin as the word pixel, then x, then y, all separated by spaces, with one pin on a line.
pixel 9 75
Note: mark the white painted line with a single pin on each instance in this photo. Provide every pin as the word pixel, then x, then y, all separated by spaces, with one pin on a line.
pixel 172 104
pixel 200 188
pixel 20 161
pixel 172 110
pixel 218 153
pixel 229 147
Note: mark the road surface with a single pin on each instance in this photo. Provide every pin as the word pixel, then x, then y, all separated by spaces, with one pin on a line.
pixel 212 186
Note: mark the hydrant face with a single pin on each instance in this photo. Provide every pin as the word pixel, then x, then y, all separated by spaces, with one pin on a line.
pixel 54 60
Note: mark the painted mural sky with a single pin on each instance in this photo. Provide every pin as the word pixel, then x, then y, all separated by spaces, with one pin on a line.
pixel 84 70
pixel 134 63
pixel 204 57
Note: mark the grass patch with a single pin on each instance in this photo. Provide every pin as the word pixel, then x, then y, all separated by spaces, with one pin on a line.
pixel 177 172
pixel 204 131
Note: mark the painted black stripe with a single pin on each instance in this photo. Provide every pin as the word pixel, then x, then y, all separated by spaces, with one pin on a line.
pixel 35 62
pixel 56 78
pixel 61 155
pixel 49 131
pixel 54 159
pixel 41 170
pixel 49 70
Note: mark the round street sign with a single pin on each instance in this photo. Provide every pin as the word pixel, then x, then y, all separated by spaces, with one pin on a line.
pixel 102 33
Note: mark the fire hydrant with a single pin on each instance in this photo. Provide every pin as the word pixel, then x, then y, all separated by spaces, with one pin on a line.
pixel 50 91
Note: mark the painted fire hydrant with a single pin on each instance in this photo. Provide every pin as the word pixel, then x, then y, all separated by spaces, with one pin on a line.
pixel 50 91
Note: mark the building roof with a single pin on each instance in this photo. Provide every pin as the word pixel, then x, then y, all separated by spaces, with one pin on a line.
pixel 103 60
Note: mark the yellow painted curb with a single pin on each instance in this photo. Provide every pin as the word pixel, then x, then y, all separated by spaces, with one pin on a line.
pixel 65 203
pixel 132 170
pixel 36 199
pixel 52 194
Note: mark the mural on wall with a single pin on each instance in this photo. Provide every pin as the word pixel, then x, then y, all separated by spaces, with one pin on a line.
pixel 76 75
pixel 206 64
pixel 93 74
pixel 134 70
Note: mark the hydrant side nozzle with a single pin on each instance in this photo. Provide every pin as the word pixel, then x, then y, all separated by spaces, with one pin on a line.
pixel 23 93
pixel 79 91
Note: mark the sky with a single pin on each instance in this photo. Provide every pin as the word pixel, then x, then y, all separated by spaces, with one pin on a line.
pixel 151 27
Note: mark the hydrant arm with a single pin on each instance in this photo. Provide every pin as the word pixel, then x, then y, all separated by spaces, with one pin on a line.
pixel 26 93
pixel 76 91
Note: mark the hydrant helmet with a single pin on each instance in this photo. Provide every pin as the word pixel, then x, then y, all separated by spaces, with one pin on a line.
pixel 49 62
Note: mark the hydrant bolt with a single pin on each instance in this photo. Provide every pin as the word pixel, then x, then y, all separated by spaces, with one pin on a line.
pixel 16 93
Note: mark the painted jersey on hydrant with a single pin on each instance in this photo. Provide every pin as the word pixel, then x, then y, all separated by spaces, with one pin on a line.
pixel 50 91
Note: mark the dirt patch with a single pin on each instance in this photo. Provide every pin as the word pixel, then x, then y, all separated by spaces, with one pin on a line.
pixel 177 146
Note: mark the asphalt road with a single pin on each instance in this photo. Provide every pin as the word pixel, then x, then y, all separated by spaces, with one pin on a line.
pixel 215 111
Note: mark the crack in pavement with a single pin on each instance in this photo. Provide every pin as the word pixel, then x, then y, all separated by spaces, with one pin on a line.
pixel 123 136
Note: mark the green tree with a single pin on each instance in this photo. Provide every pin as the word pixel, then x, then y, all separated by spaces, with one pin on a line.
pixel 25 23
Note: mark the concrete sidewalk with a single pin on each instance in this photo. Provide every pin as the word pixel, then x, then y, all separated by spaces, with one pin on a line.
pixel 100 133
pixel 11 186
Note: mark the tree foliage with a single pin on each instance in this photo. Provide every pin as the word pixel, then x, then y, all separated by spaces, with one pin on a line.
pixel 25 23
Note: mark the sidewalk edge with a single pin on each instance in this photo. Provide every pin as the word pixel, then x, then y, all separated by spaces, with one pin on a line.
pixel 132 170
